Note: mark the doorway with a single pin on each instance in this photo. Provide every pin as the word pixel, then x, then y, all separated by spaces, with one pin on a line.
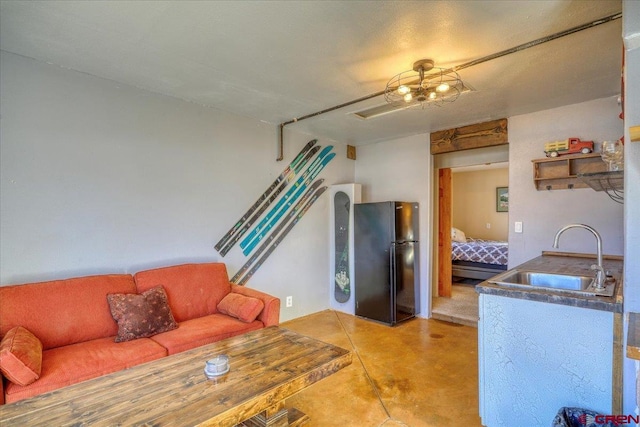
pixel 465 192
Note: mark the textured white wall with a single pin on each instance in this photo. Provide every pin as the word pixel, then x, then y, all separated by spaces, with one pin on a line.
pixel 530 368
pixel 544 212
pixel 98 177
pixel 400 170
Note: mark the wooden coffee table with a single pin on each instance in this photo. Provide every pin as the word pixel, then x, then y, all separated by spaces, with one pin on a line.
pixel 267 366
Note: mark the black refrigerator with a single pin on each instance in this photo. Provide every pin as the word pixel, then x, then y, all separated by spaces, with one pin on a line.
pixel 386 282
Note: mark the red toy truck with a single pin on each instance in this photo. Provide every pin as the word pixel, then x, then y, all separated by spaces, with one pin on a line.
pixel 568 146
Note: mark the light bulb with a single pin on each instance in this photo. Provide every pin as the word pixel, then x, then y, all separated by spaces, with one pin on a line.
pixel 403 90
pixel 433 95
pixel 443 87
pixel 408 97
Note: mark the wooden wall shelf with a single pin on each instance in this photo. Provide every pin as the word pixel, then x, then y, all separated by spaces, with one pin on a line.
pixel 561 173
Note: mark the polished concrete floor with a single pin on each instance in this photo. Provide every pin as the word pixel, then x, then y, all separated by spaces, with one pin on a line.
pixel 423 372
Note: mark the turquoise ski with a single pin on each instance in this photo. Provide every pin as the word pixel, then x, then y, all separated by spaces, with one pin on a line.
pixel 264 195
pixel 274 220
pixel 286 197
pixel 282 235
pixel 256 214
pixel 292 213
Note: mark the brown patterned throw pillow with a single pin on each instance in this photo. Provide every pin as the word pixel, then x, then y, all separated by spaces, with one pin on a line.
pixel 141 315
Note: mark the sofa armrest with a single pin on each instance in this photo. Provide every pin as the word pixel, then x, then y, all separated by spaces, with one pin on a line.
pixel 270 315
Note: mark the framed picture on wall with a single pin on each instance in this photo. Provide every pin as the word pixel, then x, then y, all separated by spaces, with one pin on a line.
pixel 502 199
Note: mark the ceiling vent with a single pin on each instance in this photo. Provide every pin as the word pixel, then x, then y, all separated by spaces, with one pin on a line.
pixel 387 108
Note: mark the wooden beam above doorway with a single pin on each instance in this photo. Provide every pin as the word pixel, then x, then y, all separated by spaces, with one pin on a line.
pixel 479 135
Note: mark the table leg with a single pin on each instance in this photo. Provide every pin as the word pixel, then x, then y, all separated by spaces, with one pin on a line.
pixel 277 416
pixel 297 418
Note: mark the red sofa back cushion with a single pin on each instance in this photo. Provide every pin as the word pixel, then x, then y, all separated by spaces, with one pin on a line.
pixel 63 312
pixel 194 290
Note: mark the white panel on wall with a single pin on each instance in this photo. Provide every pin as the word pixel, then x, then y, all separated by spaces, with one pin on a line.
pixel 341 289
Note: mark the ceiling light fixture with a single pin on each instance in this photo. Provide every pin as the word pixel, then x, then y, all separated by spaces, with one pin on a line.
pixel 424 84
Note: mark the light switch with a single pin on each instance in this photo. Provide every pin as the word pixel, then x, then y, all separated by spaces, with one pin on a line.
pixel 517 227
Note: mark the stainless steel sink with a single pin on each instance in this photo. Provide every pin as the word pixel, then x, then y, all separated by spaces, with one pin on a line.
pixel 582 285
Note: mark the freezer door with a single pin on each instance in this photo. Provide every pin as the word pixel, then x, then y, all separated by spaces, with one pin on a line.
pixel 373 231
pixel 406 290
pixel 406 221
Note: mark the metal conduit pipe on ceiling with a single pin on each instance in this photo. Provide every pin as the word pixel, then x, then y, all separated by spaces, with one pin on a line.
pixel 496 55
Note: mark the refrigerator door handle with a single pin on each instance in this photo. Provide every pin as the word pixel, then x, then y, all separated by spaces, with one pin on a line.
pixel 392 281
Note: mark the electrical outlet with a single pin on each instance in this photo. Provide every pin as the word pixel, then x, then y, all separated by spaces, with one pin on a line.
pixel 488 225
pixel 289 301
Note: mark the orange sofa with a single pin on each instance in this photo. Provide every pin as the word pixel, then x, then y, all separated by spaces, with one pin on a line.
pixel 74 325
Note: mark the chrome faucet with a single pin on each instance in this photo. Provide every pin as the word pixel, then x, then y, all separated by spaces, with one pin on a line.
pixel 600 275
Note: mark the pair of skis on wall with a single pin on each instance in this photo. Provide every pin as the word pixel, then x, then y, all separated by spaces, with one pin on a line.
pixel 263 252
pixel 274 215
pixel 249 217
pixel 309 196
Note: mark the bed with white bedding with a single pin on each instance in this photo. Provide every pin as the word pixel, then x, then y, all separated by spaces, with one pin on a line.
pixel 477 258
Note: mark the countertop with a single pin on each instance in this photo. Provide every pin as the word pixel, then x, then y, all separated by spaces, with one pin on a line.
pixel 565 263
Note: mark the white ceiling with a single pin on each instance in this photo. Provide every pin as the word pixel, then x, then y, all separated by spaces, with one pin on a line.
pixel 278 60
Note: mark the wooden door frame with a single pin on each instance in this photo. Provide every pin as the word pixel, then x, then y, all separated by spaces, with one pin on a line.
pixel 444 232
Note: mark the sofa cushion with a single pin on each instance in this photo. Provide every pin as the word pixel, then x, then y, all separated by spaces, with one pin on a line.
pixel 63 312
pixel 72 364
pixel 20 356
pixel 203 330
pixel 194 290
pixel 241 307
pixel 270 315
pixel 141 315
